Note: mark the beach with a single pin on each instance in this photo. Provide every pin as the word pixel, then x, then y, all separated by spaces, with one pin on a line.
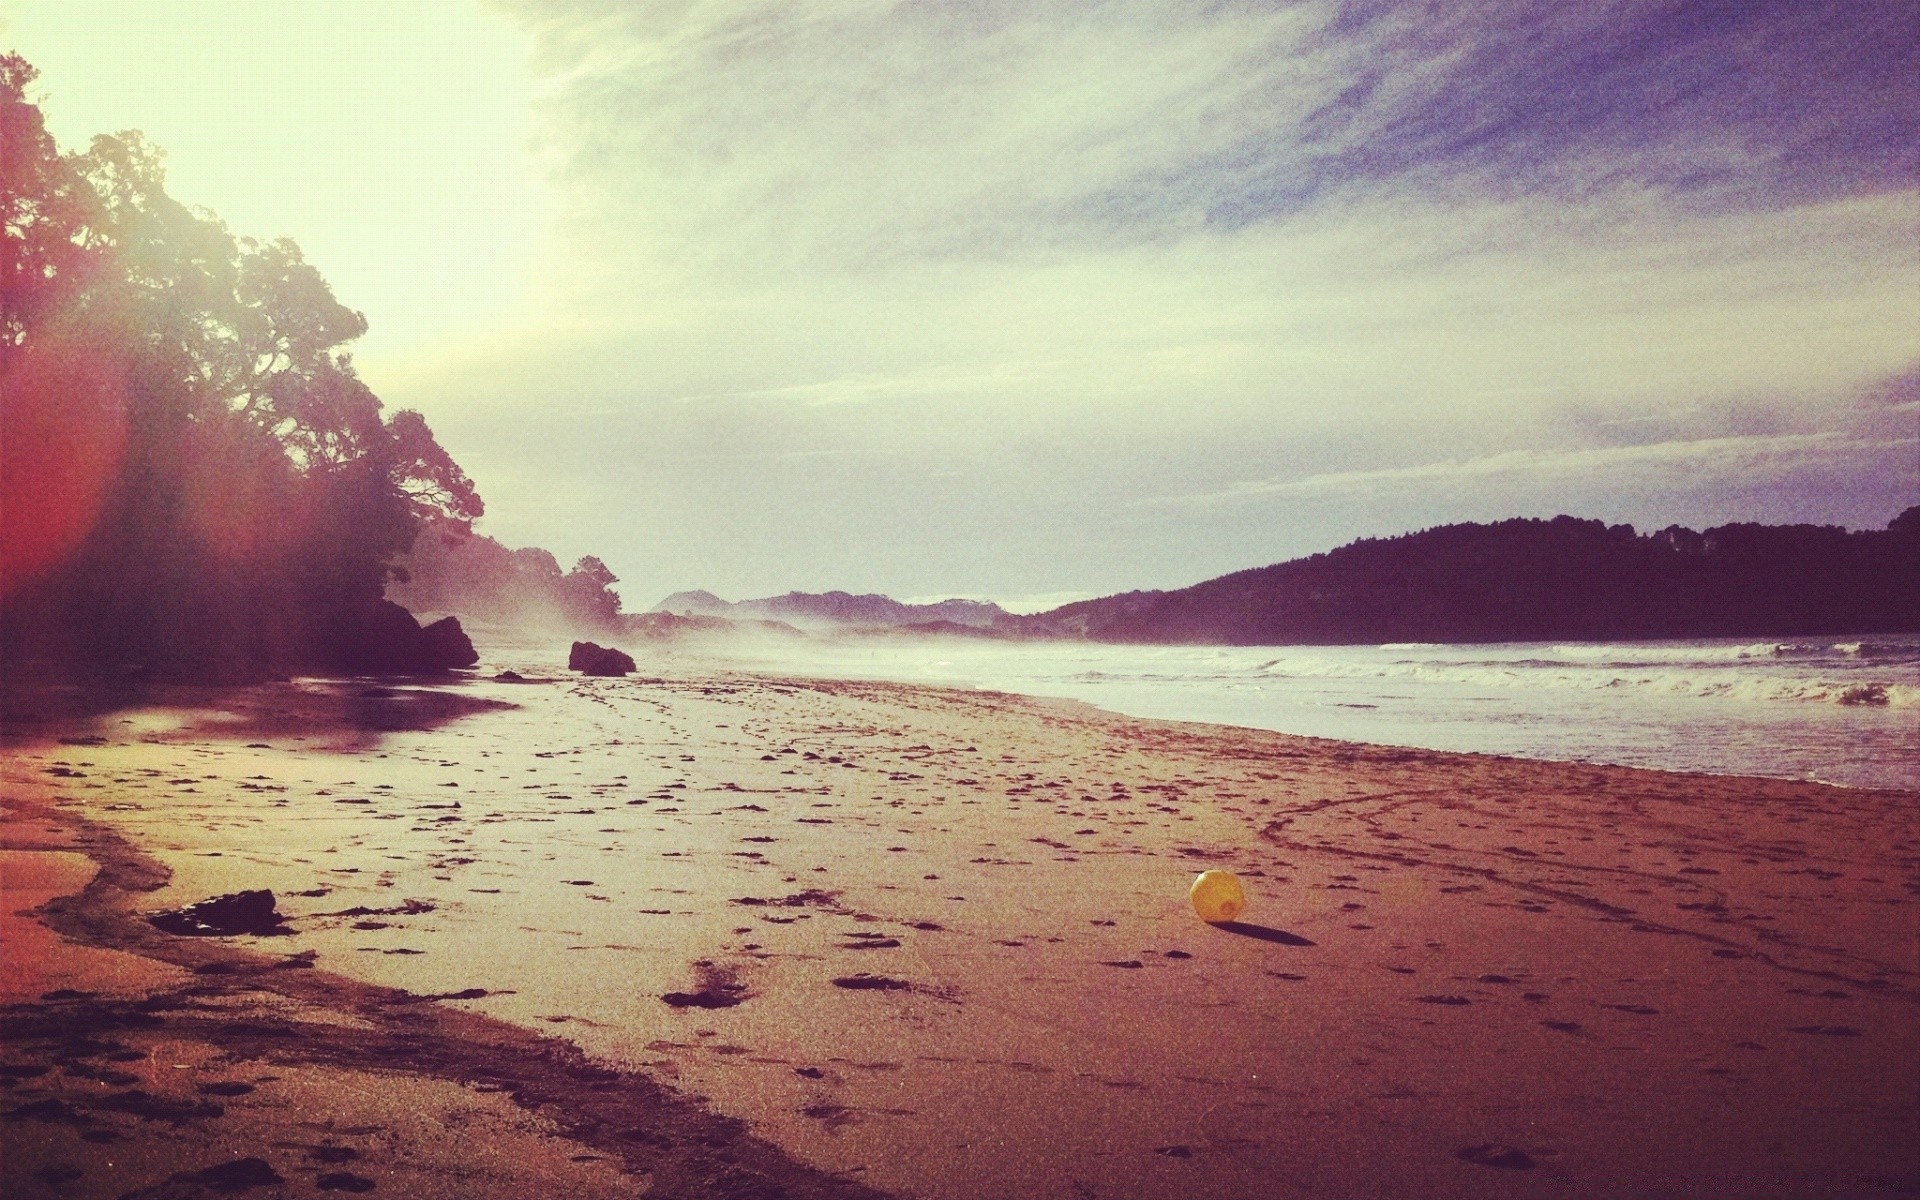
pixel 704 932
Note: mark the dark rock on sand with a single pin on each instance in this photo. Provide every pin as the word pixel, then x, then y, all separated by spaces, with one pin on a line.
pixel 223 916
pixel 385 639
pixel 375 639
pixel 591 659
pixel 447 645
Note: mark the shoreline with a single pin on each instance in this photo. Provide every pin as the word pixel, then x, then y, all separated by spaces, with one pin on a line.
pixel 231 1001
pixel 1356 743
pixel 1691 707
pixel 1352 826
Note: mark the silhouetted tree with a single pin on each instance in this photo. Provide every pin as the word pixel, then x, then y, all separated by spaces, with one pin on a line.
pixel 210 485
pixel 448 571
pixel 589 590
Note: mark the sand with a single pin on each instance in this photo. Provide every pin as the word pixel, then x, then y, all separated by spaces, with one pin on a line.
pixel 706 933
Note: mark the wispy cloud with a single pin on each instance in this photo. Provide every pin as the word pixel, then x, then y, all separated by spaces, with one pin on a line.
pixel 860 388
pixel 894 130
pixel 1018 264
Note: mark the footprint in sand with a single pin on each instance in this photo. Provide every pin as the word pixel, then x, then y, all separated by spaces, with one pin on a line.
pixel 343 1181
pixel 233 1088
pixel 242 1174
pixel 1488 1154
pixel 1827 1030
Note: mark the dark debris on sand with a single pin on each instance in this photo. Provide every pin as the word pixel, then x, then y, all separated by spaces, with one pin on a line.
pixel 249 912
pixel 685 1149
pixel 863 982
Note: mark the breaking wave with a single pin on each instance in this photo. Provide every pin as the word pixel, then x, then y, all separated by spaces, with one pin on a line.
pixel 1760 672
pixel 1838 710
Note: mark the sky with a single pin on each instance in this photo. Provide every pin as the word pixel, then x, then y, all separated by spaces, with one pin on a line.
pixel 1047 299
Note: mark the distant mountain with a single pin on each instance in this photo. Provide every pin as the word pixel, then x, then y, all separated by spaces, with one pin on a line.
pixel 1531 580
pixel 666 627
pixel 840 610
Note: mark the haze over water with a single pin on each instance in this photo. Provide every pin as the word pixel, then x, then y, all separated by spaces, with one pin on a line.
pixel 1843 711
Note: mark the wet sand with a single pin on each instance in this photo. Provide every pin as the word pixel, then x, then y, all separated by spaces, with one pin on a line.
pixel 715 934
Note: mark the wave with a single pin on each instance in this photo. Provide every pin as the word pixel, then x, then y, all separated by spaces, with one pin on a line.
pixel 1865 676
pixel 1850 693
pixel 1752 679
pixel 1836 708
pixel 1616 653
pixel 1907 652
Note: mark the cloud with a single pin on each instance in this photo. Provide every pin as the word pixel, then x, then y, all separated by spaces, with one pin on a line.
pixel 854 290
pixel 859 389
pixel 864 132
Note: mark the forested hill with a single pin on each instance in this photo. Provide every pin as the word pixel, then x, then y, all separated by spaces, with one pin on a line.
pixel 1530 580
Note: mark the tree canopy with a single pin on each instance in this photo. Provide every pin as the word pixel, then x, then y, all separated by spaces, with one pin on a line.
pixel 195 477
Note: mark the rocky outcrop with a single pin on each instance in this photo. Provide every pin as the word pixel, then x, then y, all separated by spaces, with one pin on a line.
pixel 448 645
pixel 591 659
pixel 385 639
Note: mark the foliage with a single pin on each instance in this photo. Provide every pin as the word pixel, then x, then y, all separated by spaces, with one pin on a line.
pixel 452 571
pixel 1531 580
pixel 210 486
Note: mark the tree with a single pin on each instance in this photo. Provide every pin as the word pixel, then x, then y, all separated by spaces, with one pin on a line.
pixel 589 593
pixel 238 481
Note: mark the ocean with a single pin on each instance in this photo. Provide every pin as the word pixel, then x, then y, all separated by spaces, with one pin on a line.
pixel 1835 710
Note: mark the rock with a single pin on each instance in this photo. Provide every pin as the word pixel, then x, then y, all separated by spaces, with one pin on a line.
pixel 447 645
pixel 389 642
pixel 590 659
pixel 385 639
pixel 223 916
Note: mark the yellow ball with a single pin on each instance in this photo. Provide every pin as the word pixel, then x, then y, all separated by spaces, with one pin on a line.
pixel 1217 896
